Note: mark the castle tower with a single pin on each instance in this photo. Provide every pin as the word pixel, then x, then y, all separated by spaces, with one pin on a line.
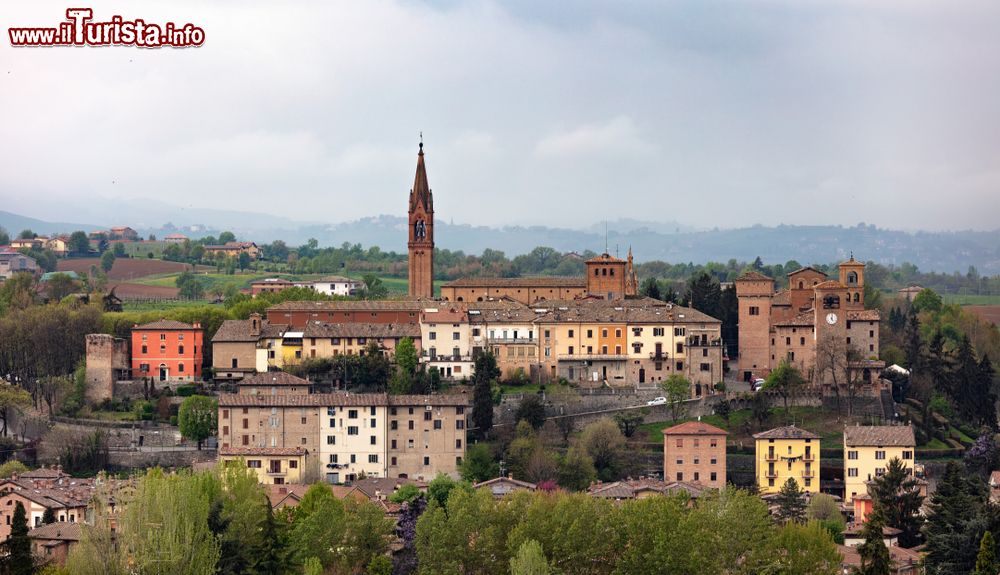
pixel 631 281
pixel 607 276
pixel 755 293
pixel 852 275
pixel 421 234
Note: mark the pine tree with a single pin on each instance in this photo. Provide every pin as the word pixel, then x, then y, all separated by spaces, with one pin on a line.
pixel 966 391
pixel 898 499
pixel 986 560
pixel 951 524
pixel 913 343
pixel 17 547
pixel 986 412
pixel 875 559
pixel 49 516
pixel 791 503
pixel 486 372
pixel 269 556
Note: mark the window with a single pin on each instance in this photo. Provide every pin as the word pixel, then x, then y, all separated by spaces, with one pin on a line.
pixel 373 458
pixel 372 423
pixel 393 444
pixel 460 409
pixel 427 460
pixel 712 476
pixel 680 462
pixel 590 333
pixel 459 424
pixel 618 333
pixel 657 331
pixel 331 440
pixel 253 463
pixel 680 347
pixel 371 411
pixel 852 454
pixel 604 333
pixel 802 341
pixel 680 476
pixel 571 333
pixel 570 351
pixel 437 424
pixel 455 335
pixel 713 443
pixel 373 440
pixel 680 442
pixel 432 335
pixel 352 414
pixel 411 424
pixel 458 444
pixel 292 464
pixel 852 471
pixel 145 349
pixel 907 455
pixel 879 454
pixel 713 461
pixel 163 337
pixel 680 366
pixel 754 310
pixel 354 458
pixel 180 350
pixel 697 476
pixel 706 367
pixel 352 430
pixel 427 416
pixel 392 461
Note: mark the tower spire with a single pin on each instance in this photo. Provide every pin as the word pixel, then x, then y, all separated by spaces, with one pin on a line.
pixel 420 194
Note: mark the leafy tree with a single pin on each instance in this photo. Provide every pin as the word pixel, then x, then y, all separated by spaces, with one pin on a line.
pixel 108 260
pixel 479 465
pixel 677 389
pixel 797 549
pixel 60 285
pixel 4 236
pixel 79 243
pixel 26 234
pixel 406 356
pixel 190 286
pixel 927 300
pixel 986 560
pixel 760 409
pixel 791 503
pixel 367 534
pixel 243 260
pixel 118 251
pixel 17 547
pixel 312 566
pixel 406 494
pixel 576 470
pixel 486 372
pixel 379 565
pixel 703 294
pixel 318 524
pixel 226 237
pixel 604 442
pixel 12 398
pixel 11 467
pixel 196 418
pixel 532 410
pixel 374 287
pixel 875 559
pixel 897 496
pixel 786 379
pixel 629 422
pixel 440 488
pixel 529 560
pixel 823 507
pixel 650 288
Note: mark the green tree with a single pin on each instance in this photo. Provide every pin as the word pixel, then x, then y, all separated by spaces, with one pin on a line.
pixel 760 409
pixel 797 549
pixel 875 559
pixel 954 522
pixel 650 288
pixel 604 442
pixel 49 516
pixel 108 260
pixel 12 398
pixel 196 418
pixel 897 496
pixel 367 535
pixel 440 488
pixel 60 285
pixel 479 464
pixel 483 377
pixel 78 244
pixel 986 560
pixel 226 237
pixel 17 547
pixel 4 236
pixel 791 503
pixel 12 467
pixel 312 566
pixel 629 422
pixel 532 410
pixel 406 494
pixel 529 560
pixel 678 390
pixel 243 260
pixel 927 300
pixel 786 379
pixel 576 470
pixel 189 286
pixel 374 287
pixel 118 250
pixel 269 555
pixel 406 356
pixel 318 526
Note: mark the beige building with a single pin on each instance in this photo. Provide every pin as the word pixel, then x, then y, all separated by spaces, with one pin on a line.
pixel 236 345
pixel 447 341
pixel 787 453
pixel 695 452
pixel 352 437
pixel 427 435
pixel 506 329
pixel 273 465
pixel 867 452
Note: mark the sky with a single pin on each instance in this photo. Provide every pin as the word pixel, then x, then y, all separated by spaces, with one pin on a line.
pixel 706 113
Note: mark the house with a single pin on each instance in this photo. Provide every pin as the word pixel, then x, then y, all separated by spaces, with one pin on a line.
pixel 44 489
pixel 234 249
pixel 333 285
pixel 910 292
pixel 868 450
pixel 503 486
pixel 381 488
pixel 787 453
pixel 167 351
pixel 854 535
pixel 175 238
pixel 273 465
pixel 446 341
pixel 269 285
pixel 904 561
pixel 241 347
pixel 51 544
pixel 505 328
pixel 642 488
pixel 695 452
pixel 12 262
pixel 58 245
pixel 27 243
pixel 123 233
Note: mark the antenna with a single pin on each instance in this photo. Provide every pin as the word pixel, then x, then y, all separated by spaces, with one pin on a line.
pixel 605 236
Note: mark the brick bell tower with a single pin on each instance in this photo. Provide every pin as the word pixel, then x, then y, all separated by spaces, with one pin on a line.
pixel 421 235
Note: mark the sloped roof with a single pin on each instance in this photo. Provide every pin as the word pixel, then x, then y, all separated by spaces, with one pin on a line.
pixel 864 315
pixel 166 324
pixel 694 428
pixel 234 330
pixel 829 284
pixel 59 531
pixel 261 451
pixel 806 269
pixel 879 436
pixel 787 432
pixel 753 276
pixel 273 378
pixel 522 282
pixel 369 330
pixel 805 318
pixel 352 305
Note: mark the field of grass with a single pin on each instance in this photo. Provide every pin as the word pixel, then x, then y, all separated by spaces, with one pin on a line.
pixel 971 299
pixel 162 305
pixel 243 280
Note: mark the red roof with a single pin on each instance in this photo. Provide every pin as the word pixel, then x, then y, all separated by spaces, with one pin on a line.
pixel 694 428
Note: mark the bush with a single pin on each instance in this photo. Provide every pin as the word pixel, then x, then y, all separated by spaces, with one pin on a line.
pixel 173 420
pixel 186 390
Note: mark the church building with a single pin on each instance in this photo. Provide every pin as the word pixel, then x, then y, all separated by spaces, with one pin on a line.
pixel 421 240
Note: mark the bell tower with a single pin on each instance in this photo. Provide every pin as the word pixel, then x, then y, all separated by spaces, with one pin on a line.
pixel 421 234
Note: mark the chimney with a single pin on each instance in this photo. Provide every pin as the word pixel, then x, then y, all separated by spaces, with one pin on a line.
pixel 255 324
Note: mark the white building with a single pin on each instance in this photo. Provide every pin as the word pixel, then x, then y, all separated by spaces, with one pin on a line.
pixel 352 437
pixel 447 343
pixel 333 285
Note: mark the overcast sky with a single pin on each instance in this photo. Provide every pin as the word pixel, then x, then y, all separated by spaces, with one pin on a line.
pixel 708 113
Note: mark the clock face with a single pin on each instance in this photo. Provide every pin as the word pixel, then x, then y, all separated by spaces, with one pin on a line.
pixel 831 318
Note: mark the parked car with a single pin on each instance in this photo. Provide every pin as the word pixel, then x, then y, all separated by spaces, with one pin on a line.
pixel 757 384
pixel 657 401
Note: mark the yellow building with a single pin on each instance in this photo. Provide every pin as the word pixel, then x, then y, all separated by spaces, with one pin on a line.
pixel 787 453
pixel 273 465
pixel 867 452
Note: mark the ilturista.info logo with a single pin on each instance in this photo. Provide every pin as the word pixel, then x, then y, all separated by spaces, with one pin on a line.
pixel 80 29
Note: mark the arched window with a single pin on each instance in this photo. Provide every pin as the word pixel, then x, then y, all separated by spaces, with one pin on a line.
pixel 801 284
pixel 852 278
pixel 857 297
pixel 460 298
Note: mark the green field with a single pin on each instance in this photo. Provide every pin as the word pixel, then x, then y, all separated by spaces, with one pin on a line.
pixel 243 280
pixel 162 305
pixel 971 299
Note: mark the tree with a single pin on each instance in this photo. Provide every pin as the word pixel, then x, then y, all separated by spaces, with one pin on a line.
pixel 317 527
pixel 108 260
pixel 927 300
pixel 986 560
pixel 703 294
pixel 797 549
pixel 485 373
pixel 49 516
pixel 12 398
pixel 190 286
pixel 576 470
pixel 791 503
pixel 243 260
pixel 18 560
pixel 478 465
pixel 79 243
pixel 913 344
pixel 532 410
pixel 678 390
pixel 269 557
pixel 650 288
pixel 374 287
pixel 406 494
pixel 786 379
pixel 406 356
pixel 60 285
pixel 604 442
pixel 12 467
pixel 875 559
pixel 226 237
pixel 529 560
pixel 629 422
pixel 4 236
pixel 953 523
pixel 196 418
pixel 439 489
pixel 897 496
pixel 760 410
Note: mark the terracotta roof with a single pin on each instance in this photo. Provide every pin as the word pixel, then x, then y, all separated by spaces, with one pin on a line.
pixel 260 451
pixel 510 480
pixel 369 330
pixel 522 282
pixel 879 436
pixel 901 557
pixel 289 493
pixel 353 305
pixel 341 399
pixel 384 486
pixel 753 276
pixel 806 269
pixel 783 297
pixel 42 473
pixel 605 258
pixel 60 531
pixel 274 378
pixel 442 315
pixel 166 324
pixel 520 314
pixel 629 488
pixel 694 428
pixel 788 432
pixel 805 318
pixel 864 315
pixel 620 311
pixel 829 284
pixel 234 330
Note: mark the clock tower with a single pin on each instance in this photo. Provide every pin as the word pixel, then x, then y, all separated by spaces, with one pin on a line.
pixel 421 235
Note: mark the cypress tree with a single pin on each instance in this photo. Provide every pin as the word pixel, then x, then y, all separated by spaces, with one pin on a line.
pixel 791 505
pixel 986 561
pixel 482 393
pixel 18 545
pixel 875 559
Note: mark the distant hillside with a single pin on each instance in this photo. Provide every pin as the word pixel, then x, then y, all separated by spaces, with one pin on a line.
pixel 14 223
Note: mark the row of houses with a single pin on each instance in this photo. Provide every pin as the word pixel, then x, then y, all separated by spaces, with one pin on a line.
pixel 330 285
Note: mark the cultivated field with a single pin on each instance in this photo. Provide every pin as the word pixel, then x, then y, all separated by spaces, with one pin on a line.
pixel 127 269
pixel 990 313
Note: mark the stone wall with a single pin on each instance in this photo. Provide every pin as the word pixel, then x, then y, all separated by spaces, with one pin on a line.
pixel 165 458
pixel 107 361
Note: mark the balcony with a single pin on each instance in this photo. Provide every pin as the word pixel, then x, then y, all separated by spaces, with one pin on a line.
pixel 809 457
pixel 771 474
pixel 658 356
pixel 594 357
pixel 276 473
pixel 703 342
pixel 771 457
pixel 808 474
pixel 449 358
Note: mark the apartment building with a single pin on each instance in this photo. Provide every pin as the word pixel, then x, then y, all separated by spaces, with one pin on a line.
pixel 167 351
pixel 273 465
pixel 868 450
pixel 447 342
pixel 506 329
pixel 787 453
pixel 695 452
pixel 353 437
pixel 44 489
pixel 426 435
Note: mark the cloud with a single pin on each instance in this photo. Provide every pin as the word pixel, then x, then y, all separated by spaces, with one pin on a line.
pixel 618 136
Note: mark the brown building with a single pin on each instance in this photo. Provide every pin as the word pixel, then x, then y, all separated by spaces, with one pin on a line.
pixel 108 361
pixel 524 290
pixel 426 435
pixel 610 277
pixel 695 452
pixel 68 497
pixel 421 235
pixel 51 543
pixel 270 285
pixel 235 346
pixel 818 325
pixel 296 314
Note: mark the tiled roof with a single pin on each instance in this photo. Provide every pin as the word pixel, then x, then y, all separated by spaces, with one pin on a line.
pixel 879 436
pixel 261 451
pixel 274 378
pixel 788 432
pixel 807 269
pixel 60 531
pixel 694 428
pixel 510 480
pixel 384 486
pixel 522 282
pixel 42 473
pixel 829 284
pixel 629 488
pixel 621 311
pixel 353 305
pixel 864 315
pixel 444 315
pixel 234 330
pixel 783 297
pixel 605 258
pixel 166 324
pixel 369 330
pixel 805 318
pixel 753 276
pixel 341 399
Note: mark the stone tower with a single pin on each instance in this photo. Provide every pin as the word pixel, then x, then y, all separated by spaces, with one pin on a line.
pixel 421 234
pixel 755 293
pixel 852 275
